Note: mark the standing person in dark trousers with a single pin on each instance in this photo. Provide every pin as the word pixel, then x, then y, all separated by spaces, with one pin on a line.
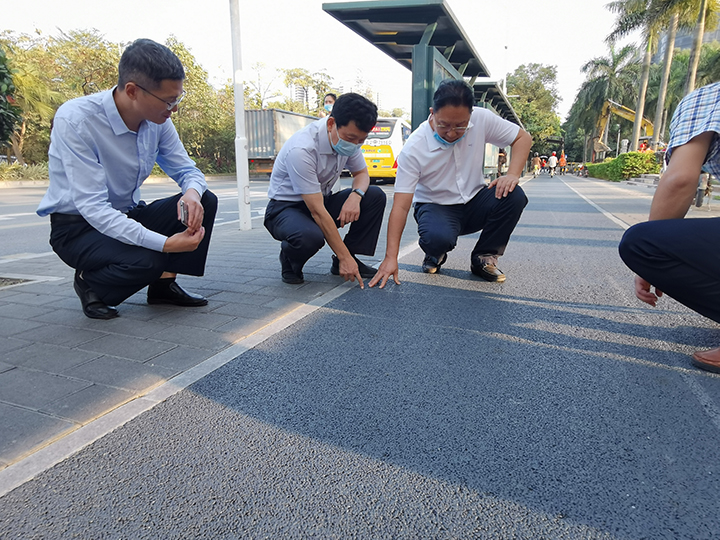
pixel 303 212
pixel 103 147
pixel 677 256
pixel 442 167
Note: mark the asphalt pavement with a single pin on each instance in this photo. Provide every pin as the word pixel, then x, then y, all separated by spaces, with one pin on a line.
pixel 554 405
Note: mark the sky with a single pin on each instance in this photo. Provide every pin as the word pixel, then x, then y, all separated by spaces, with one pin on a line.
pixel 299 34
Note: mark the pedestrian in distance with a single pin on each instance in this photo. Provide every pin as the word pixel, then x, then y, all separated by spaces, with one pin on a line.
pixel 328 102
pixel 304 213
pixel 103 147
pixel 536 163
pixel 562 163
pixel 441 166
pixel 552 164
pixel 672 255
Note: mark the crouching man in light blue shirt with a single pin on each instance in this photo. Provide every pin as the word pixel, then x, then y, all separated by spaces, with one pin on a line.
pixel 103 147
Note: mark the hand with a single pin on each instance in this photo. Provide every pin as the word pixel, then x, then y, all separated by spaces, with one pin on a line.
pixel 350 210
pixel 195 209
pixel 643 292
pixel 184 241
pixel 504 185
pixel 349 271
pixel 389 267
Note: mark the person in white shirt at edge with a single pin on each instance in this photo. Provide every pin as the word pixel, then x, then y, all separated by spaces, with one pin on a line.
pixel 303 211
pixel 552 163
pixel 442 165
pixel 102 148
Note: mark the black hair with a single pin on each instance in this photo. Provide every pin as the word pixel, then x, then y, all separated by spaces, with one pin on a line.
pixel 355 107
pixel 331 95
pixel 148 63
pixel 453 92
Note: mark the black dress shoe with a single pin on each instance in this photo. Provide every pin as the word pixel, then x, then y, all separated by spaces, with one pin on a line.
pixel 92 306
pixel 169 292
pixel 366 272
pixel 289 275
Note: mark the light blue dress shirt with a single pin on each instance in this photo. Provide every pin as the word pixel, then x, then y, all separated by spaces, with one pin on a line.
pixel 97 166
pixel 307 164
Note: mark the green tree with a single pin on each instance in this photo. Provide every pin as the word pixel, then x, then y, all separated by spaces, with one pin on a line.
pixel 608 77
pixel 534 95
pixel 260 90
pixel 9 112
pixel 203 117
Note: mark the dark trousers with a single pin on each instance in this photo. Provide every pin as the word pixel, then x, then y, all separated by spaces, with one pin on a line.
pixel 440 225
pixel 115 270
pixel 292 224
pixel 680 258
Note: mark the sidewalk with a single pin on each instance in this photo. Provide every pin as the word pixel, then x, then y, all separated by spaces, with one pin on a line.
pixel 60 370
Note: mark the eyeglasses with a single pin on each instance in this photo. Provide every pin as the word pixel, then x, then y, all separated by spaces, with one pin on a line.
pixel 456 129
pixel 170 104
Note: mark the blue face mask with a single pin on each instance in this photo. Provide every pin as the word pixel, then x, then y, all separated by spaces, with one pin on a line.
pixel 328 107
pixel 447 143
pixel 345 148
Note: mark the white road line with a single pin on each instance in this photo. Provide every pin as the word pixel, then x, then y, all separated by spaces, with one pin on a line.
pixel 24 257
pixel 607 214
pixel 709 407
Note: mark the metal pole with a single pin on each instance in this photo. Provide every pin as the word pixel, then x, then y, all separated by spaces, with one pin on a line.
pixel 617 151
pixel 241 155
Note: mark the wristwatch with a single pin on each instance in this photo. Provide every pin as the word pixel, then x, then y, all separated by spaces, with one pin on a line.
pixel 359 192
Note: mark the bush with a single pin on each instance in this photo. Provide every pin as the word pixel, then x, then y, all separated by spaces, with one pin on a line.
pixel 629 165
pixel 18 172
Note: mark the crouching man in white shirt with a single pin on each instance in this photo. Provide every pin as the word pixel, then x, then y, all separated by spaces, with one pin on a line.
pixel 442 166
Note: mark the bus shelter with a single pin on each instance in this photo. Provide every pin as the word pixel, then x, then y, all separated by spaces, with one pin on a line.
pixel 425 37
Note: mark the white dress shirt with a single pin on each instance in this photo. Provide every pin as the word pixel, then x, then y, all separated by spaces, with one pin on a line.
pixel 442 174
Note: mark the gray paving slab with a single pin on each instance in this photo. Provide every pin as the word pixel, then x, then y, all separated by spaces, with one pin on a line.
pixel 10 327
pixel 138 350
pixel 48 358
pixel 194 337
pixel 82 406
pixel 34 389
pixel 24 430
pixel 59 335
pixel 121 373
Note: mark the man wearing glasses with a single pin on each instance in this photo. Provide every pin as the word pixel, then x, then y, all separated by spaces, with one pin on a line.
pixel 442 166
pixel 103 147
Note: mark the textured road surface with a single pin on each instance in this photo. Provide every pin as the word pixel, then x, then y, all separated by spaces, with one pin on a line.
pixel 552 406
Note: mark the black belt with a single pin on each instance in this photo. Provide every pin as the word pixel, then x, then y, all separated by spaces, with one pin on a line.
pixel 58 219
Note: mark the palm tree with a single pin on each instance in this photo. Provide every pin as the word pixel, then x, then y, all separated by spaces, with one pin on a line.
pixel 653 16
pixel 34 97
pixel 608 77
pixel 631 14
pixel 699 15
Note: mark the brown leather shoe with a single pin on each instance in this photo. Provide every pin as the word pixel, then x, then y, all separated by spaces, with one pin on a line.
pixel 707 360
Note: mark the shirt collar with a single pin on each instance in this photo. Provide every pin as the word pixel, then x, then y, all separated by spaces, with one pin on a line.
pixel 116 122
pixel 433 144
pixel 323 139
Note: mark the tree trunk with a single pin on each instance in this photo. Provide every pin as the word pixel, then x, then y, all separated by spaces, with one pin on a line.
pixel 17 144
pixel 640 107
pixel 669 49
pixel 696 48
